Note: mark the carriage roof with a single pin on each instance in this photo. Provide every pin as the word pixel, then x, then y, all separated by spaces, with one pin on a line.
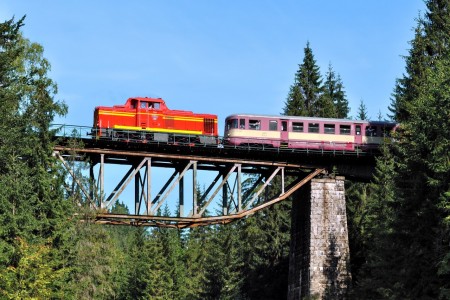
pixel 316 119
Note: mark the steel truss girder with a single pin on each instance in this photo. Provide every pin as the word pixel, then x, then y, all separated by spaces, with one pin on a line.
pixel 177 222
pixel 75 178
pixel 235 203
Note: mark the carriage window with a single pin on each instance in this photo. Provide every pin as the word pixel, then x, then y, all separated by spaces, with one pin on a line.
pixel 297 126
pixel 329 128
pixel 273 125
pixel 344 129
pixel 371 131
pixel 284 126
pixel 254 124
pixel 313 127
pixel 242 123
pixel 358 129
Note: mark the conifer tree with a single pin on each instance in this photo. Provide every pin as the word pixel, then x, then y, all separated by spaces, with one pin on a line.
pixel 362 113
pixel 198 242
pixel 146 277
pixel 266 252
pixel 172 249
pixel 32 206
pixel 371 237
pixel 340 100
pixel 333 102
pixel 223 264
pixel 95 264
pixel 306 90
pixel 418 233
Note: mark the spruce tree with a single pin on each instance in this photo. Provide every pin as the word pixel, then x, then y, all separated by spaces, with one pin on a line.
pixel 266 252
pixel 32 206
pixel 340 100
pixel 417 231
pixel 333 102
pixel 223 265
pixel 362 113
pixel 171 243
pixel 306 90
pixel 370 230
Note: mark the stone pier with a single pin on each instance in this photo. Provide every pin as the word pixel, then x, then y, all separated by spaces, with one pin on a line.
pixel 319 251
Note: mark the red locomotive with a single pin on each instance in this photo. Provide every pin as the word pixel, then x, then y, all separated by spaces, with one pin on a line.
pixel 149 119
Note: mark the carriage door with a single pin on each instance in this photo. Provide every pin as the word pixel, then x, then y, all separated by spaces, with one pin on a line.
pixel 358 134
pixel 284 136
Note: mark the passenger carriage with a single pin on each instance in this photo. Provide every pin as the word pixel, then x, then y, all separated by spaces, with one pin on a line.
pixel 304 132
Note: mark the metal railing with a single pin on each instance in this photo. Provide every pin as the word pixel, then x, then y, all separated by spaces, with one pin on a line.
pixel 250 144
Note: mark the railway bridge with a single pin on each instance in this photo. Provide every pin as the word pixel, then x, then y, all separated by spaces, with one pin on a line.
pixel 236 179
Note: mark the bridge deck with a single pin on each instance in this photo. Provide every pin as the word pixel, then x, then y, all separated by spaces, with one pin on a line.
pixel 302 164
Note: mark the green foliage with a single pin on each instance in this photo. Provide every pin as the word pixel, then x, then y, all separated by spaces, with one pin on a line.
pixel 32 275
pixel 96 262
pixel 362 113
pixel 33 214
pixel 224 262
pixel 308 97
pixel 305 91
pixel 198 242
pixel 266 252
pixel 333 102
pixel 407 236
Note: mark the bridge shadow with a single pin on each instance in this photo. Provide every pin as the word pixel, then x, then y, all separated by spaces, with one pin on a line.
pixel 336 271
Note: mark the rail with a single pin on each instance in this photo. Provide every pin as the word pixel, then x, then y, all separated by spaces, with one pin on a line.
pixel 139 137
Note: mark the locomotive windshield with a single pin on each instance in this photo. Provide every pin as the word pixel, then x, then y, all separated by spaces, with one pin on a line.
pixel 147 105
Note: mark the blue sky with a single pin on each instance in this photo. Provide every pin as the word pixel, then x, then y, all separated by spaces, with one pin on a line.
pixel 219 57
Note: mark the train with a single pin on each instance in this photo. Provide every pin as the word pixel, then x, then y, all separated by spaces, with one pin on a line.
pixel 147 119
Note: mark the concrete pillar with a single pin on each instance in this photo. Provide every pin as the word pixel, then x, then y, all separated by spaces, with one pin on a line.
pixel 319 254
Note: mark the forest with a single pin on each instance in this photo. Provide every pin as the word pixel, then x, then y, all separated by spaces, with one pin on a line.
pixel 398 224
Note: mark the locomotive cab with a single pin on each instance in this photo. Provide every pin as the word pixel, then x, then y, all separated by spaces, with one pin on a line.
pixel 145 103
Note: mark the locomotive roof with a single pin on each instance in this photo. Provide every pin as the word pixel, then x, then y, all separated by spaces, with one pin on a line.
pixel 318 119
